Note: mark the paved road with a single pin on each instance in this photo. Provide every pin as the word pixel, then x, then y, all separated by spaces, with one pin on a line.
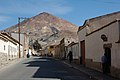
pixel 37 68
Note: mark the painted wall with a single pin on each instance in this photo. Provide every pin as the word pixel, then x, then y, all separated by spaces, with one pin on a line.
pixel 75 50
pixel 57 51
pixel 94 45
pixel 82 34
pixel 81 37
pixel 12 51
pixel 3 46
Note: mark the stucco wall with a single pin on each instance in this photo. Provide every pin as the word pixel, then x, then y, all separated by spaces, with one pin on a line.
pixel 57 51
pixel 81 37
pixel 3 45
pixel 3 59
pixel 94 45
pixel 7 52
pixel 75 51
pixel 82 34
pixel 12 50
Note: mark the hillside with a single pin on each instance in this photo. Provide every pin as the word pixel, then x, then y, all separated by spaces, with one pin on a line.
pixel 46 28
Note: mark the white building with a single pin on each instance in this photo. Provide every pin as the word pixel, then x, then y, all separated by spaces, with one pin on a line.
pixel 74 47
pixel 98 35
pixel 8 48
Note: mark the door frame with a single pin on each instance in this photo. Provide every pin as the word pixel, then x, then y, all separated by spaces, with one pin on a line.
pixel 82 47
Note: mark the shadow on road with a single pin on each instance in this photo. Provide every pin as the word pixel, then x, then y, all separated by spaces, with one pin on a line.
pixel 53 69
pixel 46 68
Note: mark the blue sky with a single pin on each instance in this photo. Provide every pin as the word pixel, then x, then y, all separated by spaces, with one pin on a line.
pixel 74 11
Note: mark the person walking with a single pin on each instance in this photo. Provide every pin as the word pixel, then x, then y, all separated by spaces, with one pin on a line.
pixel 104 63
pixel 70 56
pixel 28 55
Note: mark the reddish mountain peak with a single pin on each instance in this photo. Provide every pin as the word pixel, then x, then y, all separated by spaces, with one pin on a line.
pixel 44 13
pixel 45 26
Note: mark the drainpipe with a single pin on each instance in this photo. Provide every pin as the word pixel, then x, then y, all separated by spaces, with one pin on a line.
pixel 119 31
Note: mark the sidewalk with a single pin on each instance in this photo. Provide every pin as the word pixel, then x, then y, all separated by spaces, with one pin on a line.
pixel 10 63
pixel 94 74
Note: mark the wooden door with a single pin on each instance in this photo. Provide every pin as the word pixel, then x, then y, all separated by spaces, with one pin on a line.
pixel 83 51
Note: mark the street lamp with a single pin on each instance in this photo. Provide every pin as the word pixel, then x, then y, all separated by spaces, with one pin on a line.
pixel 19 18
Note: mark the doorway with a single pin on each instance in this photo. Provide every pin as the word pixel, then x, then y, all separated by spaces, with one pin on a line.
pixel 108 55
pixel 82 58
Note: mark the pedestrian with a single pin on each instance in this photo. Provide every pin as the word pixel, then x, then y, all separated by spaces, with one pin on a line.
pixel 104 63
pixel 28 55
pixel 70 56
pixel 108 63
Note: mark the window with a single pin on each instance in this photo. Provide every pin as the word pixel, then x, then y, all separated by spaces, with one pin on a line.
pixel 4 47
pixel 51 46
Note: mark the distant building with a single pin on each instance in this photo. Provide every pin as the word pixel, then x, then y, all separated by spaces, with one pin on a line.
pixel 57 51
pixel 24 40
pixel 97 36
pixel 61 49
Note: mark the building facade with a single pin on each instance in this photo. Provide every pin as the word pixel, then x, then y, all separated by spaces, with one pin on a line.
pixel 97 36
pixel 24 40
pixel 8 48
pixel 74 47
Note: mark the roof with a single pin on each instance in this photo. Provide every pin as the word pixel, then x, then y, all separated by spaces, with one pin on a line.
pixel 3 38
pixel 104 26
pixel 7 37
pixel 100 21
pixel 110 14
pixel 81 27
pixel 72 43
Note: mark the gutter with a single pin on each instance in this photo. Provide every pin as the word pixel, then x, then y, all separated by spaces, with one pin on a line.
pixel 119 31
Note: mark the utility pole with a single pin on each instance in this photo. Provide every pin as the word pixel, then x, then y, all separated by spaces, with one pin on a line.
pixel 19 35
pixel 19 18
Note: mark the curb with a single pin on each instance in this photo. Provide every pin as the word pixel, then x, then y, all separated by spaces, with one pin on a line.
pixel 92 76
pixel 72 66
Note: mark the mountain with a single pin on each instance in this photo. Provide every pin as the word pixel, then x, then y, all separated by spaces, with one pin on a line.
pixel 46 28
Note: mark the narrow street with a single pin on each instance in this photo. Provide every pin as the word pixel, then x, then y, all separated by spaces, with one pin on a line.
pixel 37 68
